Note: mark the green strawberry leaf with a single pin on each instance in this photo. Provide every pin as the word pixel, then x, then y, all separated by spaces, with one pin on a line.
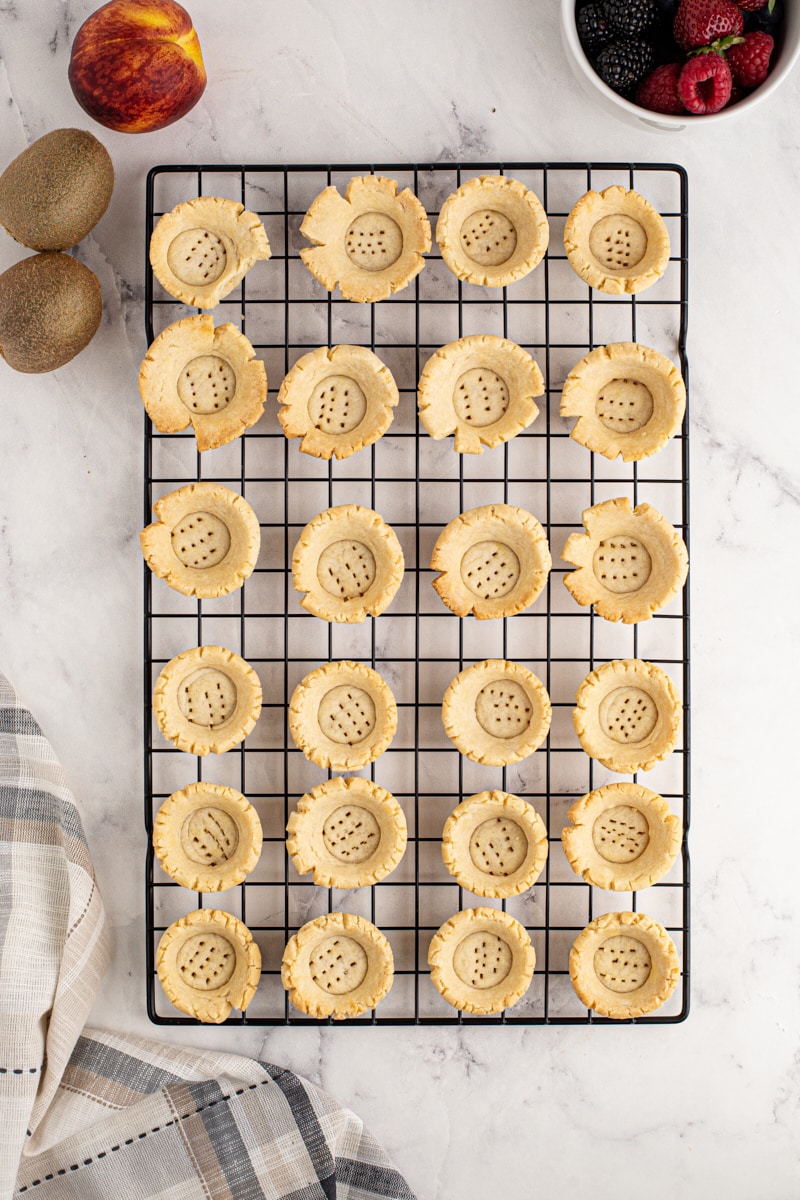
pixel 718 47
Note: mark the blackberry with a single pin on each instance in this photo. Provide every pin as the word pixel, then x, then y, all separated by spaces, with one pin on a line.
pixel 593 28
pixel 631 18
pixel 768 22
pixel 623 65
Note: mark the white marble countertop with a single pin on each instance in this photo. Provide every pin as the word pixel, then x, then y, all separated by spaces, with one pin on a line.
pixel 709 1107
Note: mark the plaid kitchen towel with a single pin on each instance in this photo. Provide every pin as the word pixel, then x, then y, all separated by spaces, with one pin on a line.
pixel 85 1113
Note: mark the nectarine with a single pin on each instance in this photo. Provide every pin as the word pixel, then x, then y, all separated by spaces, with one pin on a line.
pixel 136 65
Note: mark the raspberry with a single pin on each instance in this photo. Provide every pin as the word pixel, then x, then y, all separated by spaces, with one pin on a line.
pixel 705 82
pixel 698 22
pixel 658 91
pixel 749 60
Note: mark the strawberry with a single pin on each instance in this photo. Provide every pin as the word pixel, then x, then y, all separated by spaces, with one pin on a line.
pixel 751 5
pixel 749 60
pixel 698 22
pixel 658 91
pixel 705 83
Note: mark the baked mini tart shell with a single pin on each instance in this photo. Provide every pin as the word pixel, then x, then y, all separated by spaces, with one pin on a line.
pixel 481 1001
pixel 304 716
pixel 241 233
pixel 175 348
pixel 618 675
pixel 330 216
pixel 198 739
pixel 437 383
pixel 347 522
pixel 658 987
pixel 307 996
pixel 510 526
pixel 669 560
pixel 171 837
pixel 228 507
pixel 594 207
pixel 663 847
pixel 461 723
pixel 510 198
pixel 306 846
pixel 210 1006
pixel 352 362
pixel 467 818
pixel 633 362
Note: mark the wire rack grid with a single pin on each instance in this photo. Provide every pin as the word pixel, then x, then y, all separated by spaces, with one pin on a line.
pixel 418 645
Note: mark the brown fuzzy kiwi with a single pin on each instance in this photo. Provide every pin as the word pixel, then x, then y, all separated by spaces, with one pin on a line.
pixel 54 193
pixel 50 308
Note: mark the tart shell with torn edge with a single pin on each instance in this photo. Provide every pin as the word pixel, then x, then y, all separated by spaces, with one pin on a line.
pixel 338 965
pixel 623 837
pixel 348 564
pixel 207 837
pixel 629 401
pixel 494 561
pixel 616 241
pixel 624 965
pixel 342 715
pixel 204 247
pixel 347 832
pixel 337 400
pixel 194 374
pixel 492 231
pixel 208 963
pixel 496 712
pixel 627 715
pixel 482 960
pixel 207 700
pixel 631 562
pixel 495 845
pixel 479 388
pixel 205 542
pixel 370 241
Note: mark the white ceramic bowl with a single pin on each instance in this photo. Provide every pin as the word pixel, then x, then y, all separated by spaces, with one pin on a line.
pixel 628 111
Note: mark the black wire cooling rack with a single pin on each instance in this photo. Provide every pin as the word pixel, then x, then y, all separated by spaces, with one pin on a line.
pixel 418 645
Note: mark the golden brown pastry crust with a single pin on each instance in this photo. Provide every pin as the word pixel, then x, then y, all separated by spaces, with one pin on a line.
pixel 631 562
pixel 348 833
pixel 616 241
pixel 628 715
pixel 342 715
pixel 338 965
pixel 629 401
pixel 207 700
pixel 205 542
pixel 372 224
pixel 348 564
pixel 207 837
pixel 194 374
pixel 470 948
pixel 204 247
pixel 495 845
pixel 481 389
pixel 496 712
pixel 203 948
pixel 492 231
pixel 624 965
pixel 494 561
pixel 623 837
pixel 337 400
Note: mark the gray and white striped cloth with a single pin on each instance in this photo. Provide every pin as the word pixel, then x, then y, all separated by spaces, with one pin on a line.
pixel 84 1113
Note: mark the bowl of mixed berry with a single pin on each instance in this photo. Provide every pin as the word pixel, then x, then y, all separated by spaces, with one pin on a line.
pixel 670 63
